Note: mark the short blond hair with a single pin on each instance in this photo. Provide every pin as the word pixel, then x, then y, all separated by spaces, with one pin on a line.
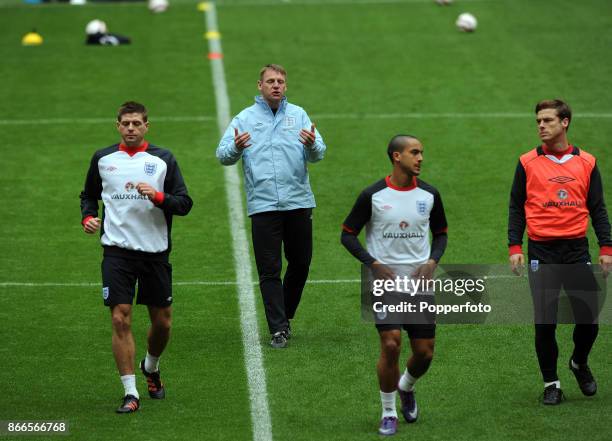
pixel 275 67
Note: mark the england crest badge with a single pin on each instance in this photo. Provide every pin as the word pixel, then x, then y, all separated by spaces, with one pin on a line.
pixel 421 207
pixel 289 122
pixel 150 168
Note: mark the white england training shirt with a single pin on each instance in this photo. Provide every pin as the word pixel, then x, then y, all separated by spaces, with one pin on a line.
pixel 397 221
pixel 131 221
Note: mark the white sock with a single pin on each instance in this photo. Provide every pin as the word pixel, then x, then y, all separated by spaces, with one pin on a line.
pixel 387 399
pixel 129 384
pixel 556 383
pixel 151 363
pixel 575 365
pixel 407 381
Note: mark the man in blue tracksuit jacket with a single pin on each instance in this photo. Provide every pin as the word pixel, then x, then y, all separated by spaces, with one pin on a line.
pixel 275 140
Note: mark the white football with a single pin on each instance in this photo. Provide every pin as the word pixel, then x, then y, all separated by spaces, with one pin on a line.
pixel 158 6
pixel 444 2
pixel 96 27
pixel 466 22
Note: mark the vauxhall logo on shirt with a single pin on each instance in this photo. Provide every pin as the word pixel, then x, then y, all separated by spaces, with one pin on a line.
pixel 402 234
pixel 562 195
pixel 130 193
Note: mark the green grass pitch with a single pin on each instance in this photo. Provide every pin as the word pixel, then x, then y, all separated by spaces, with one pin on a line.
pixel 348 63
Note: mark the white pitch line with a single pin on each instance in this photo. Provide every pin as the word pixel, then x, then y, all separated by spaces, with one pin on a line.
pixel 320 116
pixel 261 421
pixel 448 115
pixel 328 2
pixel 53 121
pixel 245 3
pixel 207 282
pixel 184 283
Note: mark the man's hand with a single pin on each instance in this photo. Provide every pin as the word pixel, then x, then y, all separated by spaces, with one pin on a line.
pixel 382 271
pixel 517 262
pixel 308 138
pixel 241 141
pixel 92 225
pixel 146 190
pixel 426 270
pixel 606 265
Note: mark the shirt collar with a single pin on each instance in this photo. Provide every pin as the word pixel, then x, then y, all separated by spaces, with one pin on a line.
pixel 133 150
pixel 558 155
pixel 412 185
pixel 261 101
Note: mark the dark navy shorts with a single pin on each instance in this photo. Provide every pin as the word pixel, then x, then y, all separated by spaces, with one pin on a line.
pixel 414 331
pixel 120 276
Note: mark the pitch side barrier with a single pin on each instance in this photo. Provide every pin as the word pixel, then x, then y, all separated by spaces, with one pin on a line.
pixel 486 294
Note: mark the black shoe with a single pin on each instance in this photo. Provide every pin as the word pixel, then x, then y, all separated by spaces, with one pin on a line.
pixel 288 330
pixel 279 340
pixel 130 404
pixel 154 383
pixel 552 395
pixel 585 379
pixel 409 408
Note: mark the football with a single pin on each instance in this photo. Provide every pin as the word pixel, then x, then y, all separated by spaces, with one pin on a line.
pixel 158 6
pixel 466 22
pixel 96 27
